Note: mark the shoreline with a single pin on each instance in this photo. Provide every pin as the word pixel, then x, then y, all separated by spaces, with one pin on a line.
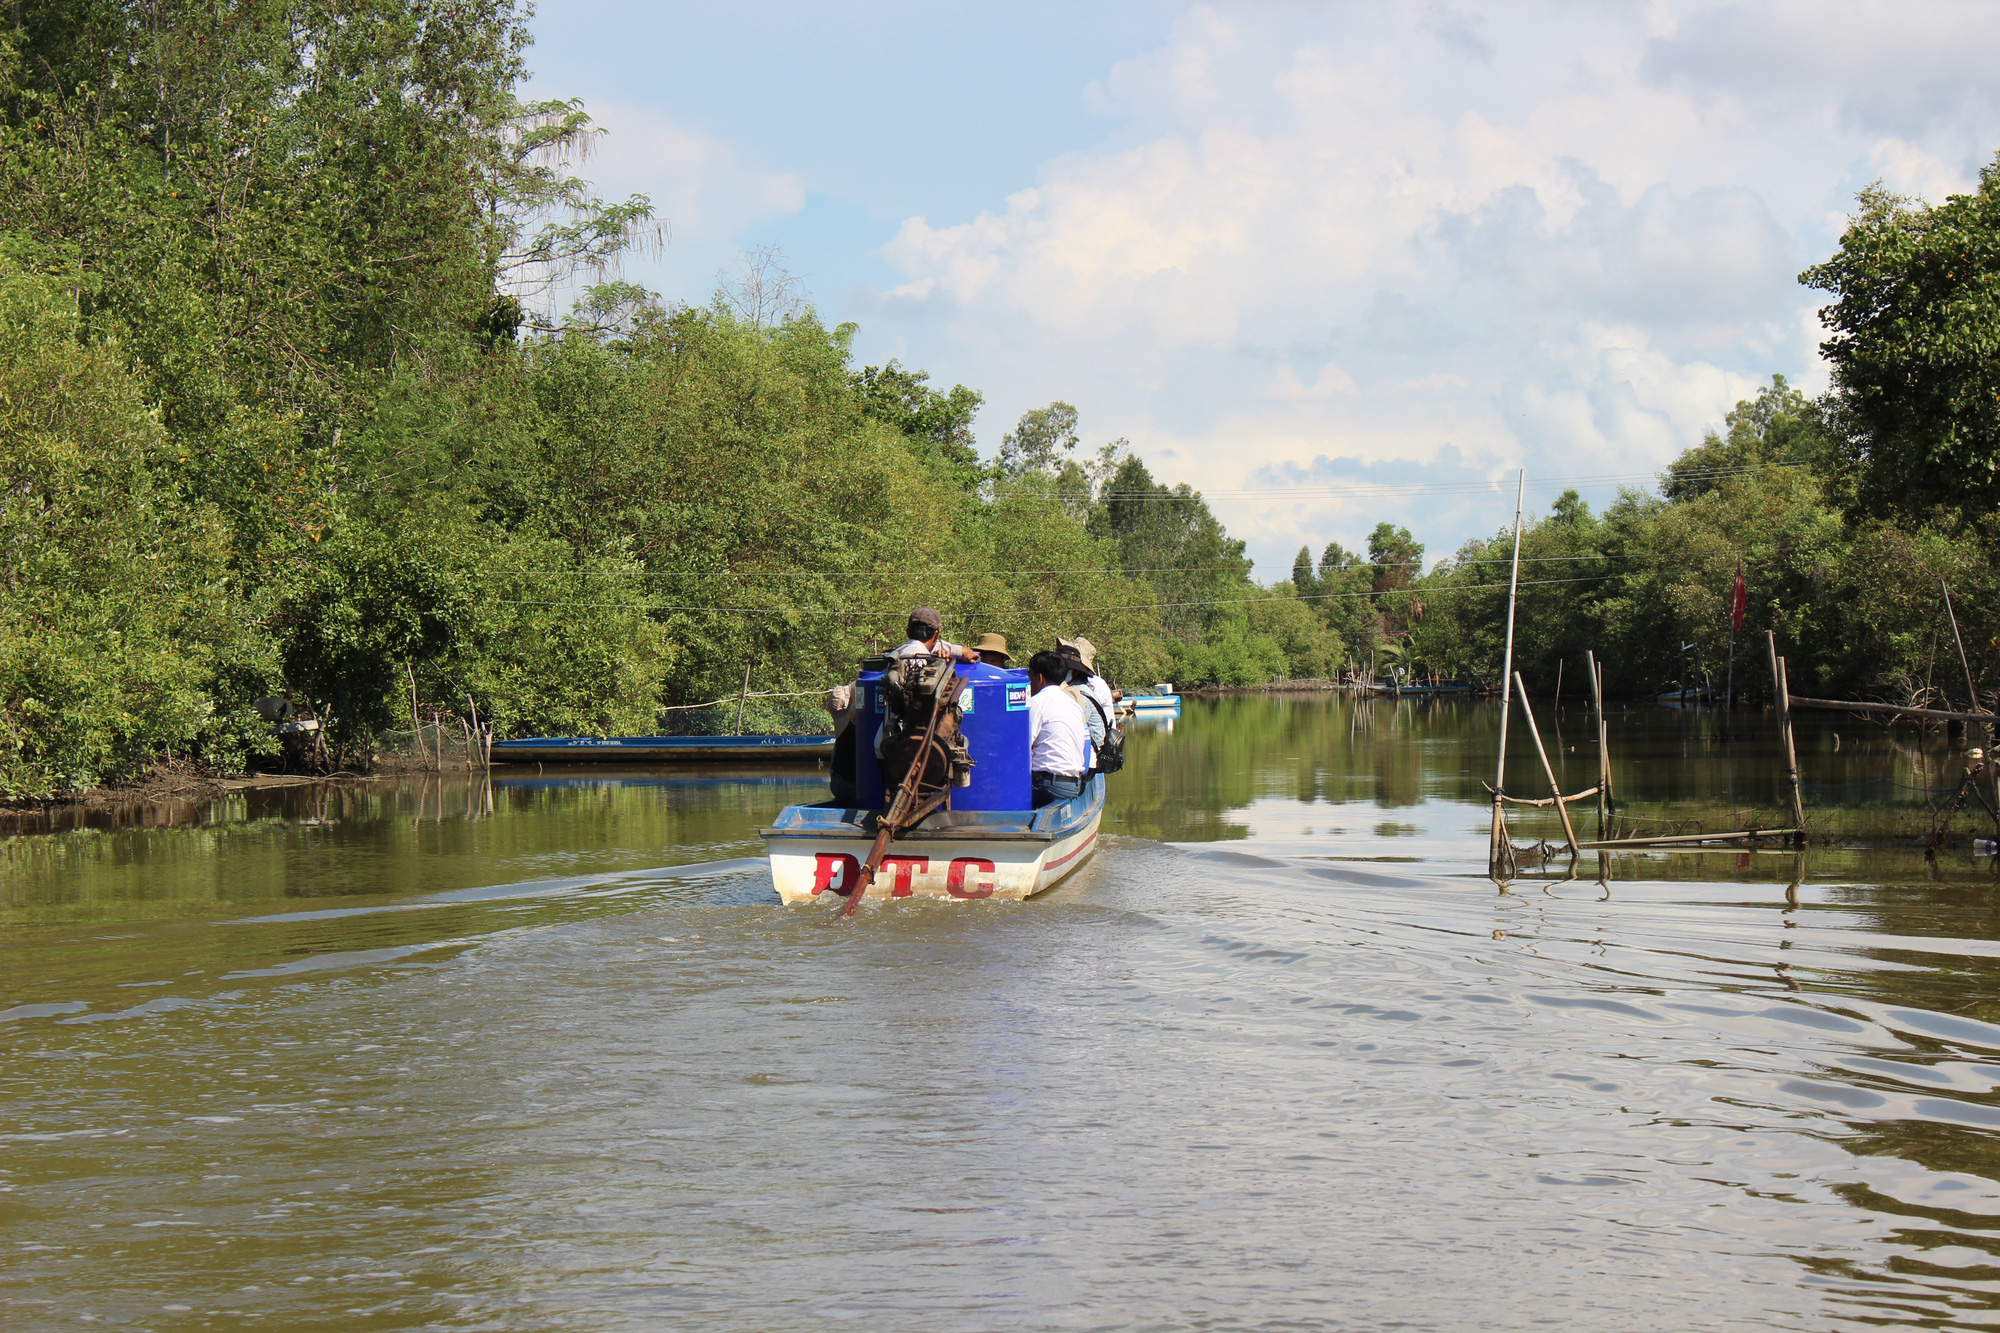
pixel 168 784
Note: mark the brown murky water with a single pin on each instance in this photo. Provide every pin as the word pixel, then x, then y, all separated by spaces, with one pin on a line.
pixel 1280 1057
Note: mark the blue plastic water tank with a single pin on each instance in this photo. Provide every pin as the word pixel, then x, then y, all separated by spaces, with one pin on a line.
pixel 994 705
pixel 868 793
pixel 994 701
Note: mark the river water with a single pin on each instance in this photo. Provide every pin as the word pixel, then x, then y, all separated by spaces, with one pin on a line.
pixel 552 1056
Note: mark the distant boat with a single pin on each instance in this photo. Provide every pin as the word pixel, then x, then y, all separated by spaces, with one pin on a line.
pixel 1695 694
pixel 659 749
pixel 1442 687
pixel 1161 699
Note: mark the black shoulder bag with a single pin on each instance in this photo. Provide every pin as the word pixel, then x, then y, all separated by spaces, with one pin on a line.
pixel 1111 754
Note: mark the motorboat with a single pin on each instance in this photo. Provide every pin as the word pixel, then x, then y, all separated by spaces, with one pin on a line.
pixel 942 804
pixel 1160 699
pixel 817 851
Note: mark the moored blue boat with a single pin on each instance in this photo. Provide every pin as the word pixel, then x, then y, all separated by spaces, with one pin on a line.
pixel 658 749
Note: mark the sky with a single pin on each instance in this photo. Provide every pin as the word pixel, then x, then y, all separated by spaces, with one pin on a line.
pixel 1332 264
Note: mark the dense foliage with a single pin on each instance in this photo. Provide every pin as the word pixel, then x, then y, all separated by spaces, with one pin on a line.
pixel 283 412
pixel 280 417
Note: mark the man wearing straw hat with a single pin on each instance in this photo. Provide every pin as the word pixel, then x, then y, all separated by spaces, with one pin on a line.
pixel 992 650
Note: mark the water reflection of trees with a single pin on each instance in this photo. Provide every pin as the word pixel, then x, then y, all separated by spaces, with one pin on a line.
pixel 420 833
pixel 1672 770
pixel 1222 755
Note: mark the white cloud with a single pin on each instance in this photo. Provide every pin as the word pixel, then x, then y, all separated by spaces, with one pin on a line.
pixel 703 189
pixel 1454 241
pixel 701 185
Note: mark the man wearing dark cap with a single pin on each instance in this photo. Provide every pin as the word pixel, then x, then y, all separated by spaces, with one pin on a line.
pixel 926 625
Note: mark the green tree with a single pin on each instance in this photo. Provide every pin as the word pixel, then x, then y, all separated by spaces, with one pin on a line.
pixel 940 422
pixel 1305 582
pixel 1044 440
pixel 1915 319
pixel 122 634
pixel 1779 427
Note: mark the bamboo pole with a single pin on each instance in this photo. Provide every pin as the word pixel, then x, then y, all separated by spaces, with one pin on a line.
pixel 1613 844
pixel 1596 670
pixel 1555 788
pixel 1507 681
pixel 744 698
pixel 1604 749
pixel 1729 689
pixel 1857 706
pixel 1972 692
pixel 1557 705
pixel 416 727
pixel 1784 697
pixel 1546 801
pixel 485 755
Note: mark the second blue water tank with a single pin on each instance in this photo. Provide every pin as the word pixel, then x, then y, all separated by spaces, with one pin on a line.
pixel 993 702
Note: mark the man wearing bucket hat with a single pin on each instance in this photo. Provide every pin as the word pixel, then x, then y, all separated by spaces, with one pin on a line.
pixel 992 650
pixel 1085 655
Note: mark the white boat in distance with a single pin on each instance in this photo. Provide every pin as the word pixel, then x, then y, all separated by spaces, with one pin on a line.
pixel 1161 699
pixel 817 850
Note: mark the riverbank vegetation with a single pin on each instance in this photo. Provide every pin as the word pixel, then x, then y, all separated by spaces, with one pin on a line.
pixel 282 415
pixel 281 418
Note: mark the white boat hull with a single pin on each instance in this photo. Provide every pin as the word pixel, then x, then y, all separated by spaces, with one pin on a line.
pixel 950 861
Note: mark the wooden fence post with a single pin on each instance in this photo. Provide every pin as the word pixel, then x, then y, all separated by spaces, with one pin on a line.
pixel 1501 838
pixel 1555 788
pixel 1782 687
pixel 1603 752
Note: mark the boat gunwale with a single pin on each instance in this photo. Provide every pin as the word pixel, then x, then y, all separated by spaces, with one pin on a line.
pixel 619 743
pixel 1020 830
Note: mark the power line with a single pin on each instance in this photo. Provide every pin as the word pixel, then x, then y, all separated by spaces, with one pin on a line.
pixel 1010 573
pixel 1485 487
pixel 1413 591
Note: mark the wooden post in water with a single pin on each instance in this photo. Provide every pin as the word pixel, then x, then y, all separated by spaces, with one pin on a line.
pixel 1729 687
pixel 1555 788
pixel 1507 683
pixel 1782 689
pixel 1603 758
pixel 1604 748
pixel 416 727
pixel 743 699
pixel 1557 705
pixel 479 734
pixel 1972 690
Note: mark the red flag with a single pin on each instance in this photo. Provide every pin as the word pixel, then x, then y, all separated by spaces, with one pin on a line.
pixel 1739 603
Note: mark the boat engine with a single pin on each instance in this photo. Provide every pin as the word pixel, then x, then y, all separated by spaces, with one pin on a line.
pixel 914 691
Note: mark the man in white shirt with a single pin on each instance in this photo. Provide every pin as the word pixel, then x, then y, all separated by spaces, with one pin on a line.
pixel 925 628
pixel 1058 742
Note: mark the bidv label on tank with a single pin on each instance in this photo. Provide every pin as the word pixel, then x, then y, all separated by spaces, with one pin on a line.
pixel 1017 698
pixel 965 700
